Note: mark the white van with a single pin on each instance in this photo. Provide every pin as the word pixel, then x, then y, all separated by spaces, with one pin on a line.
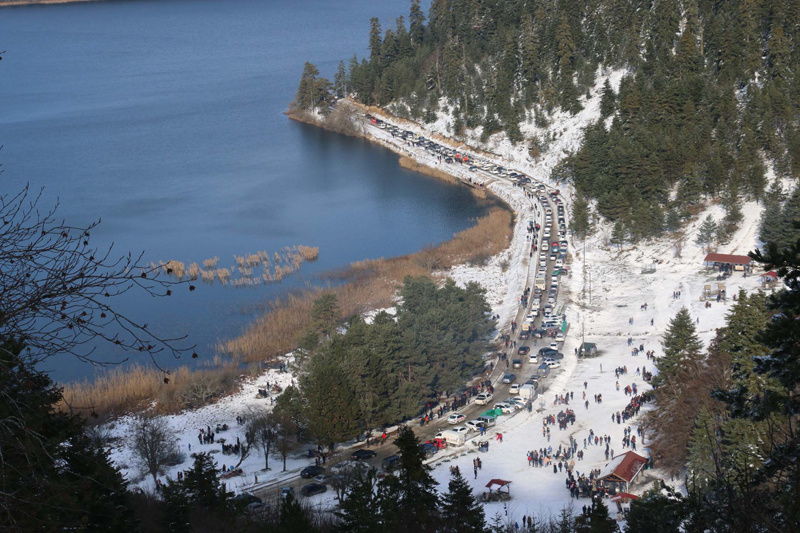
pixel 527 392
pixel 453 438
pixel 545 246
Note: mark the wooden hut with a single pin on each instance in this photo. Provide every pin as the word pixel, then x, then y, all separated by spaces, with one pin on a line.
pixel 622 470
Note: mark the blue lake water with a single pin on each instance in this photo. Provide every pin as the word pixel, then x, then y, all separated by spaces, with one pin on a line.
pixel 165 120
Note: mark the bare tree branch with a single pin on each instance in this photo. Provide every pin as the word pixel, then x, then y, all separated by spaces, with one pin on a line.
pixel 56 290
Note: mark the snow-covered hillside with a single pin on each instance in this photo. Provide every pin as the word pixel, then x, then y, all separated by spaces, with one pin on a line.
pixel 604 297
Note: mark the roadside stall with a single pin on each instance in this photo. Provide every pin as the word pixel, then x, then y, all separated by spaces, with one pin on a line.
pixel 623 501
pixel 499 495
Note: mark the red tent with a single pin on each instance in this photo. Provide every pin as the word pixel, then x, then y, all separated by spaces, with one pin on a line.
pixel 624 497
pixel 499 495
pixel 500 482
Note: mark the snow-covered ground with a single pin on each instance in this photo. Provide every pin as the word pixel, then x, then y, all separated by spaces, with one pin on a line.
pixel 187 425
pixel 618 289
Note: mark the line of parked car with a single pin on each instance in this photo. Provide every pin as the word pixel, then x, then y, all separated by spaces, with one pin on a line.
pixel 448 155
pixel 552 249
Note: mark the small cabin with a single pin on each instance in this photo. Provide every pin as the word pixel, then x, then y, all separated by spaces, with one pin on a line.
pixel 727 262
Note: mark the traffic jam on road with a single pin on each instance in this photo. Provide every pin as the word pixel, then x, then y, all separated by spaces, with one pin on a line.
pixel 532 346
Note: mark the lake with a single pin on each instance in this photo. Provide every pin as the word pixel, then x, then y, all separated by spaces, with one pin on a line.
pixel 165 120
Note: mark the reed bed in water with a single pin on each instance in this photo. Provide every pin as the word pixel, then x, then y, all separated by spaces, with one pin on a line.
pixel 258 268
pixel 372 284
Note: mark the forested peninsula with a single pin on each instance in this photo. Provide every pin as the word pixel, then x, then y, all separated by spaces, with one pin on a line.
pixel 708 103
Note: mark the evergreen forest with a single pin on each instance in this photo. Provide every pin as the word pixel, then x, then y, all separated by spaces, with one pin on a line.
pixel 371 375
pixel 709 99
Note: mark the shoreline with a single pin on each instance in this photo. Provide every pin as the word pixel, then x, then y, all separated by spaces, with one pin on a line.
pixel 372 282
pixel 8 3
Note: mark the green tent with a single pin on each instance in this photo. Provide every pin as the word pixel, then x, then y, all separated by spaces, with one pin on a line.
pixel 494 413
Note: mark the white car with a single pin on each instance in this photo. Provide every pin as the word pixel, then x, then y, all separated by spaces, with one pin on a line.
pixel 518 401
pixel 460 430
pixel 552 363
pixel 484 398
pixel 560 337
pixel 474 425
pixel 506 407
pixel 554 346
pixel 455 418
pixel 514 389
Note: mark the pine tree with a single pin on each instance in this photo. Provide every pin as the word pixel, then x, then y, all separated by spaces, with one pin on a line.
pixel 608 100
pixel 565 523
pixel 787 231
pixel 619 234
pixel 203 486
pixel 417 499
pixel 176 509
pixel 771 218
pixel 52 477
pixel 706 233
pixel 359 511
pixel 375 41
pixel 497 525
pixel 782 338
pixel 597 521
pixel 566 67
pixel 417 23
pixel 460 511
pixel 661 509
pixel 314 92
pixel 673 220
pixel 580 218
pixel 332 410
pixel 293 517
pixel 680 344
pixel 325 313
pixel 340 81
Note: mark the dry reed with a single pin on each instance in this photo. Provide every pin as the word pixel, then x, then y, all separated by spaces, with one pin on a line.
pixel 374 284
pixel 123 390
pixel 242 273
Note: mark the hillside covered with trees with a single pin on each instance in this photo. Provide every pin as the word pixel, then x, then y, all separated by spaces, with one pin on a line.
pixel 710 96
pixel 375 374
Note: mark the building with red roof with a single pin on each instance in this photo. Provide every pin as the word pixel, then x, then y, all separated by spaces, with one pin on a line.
pixel 623 470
